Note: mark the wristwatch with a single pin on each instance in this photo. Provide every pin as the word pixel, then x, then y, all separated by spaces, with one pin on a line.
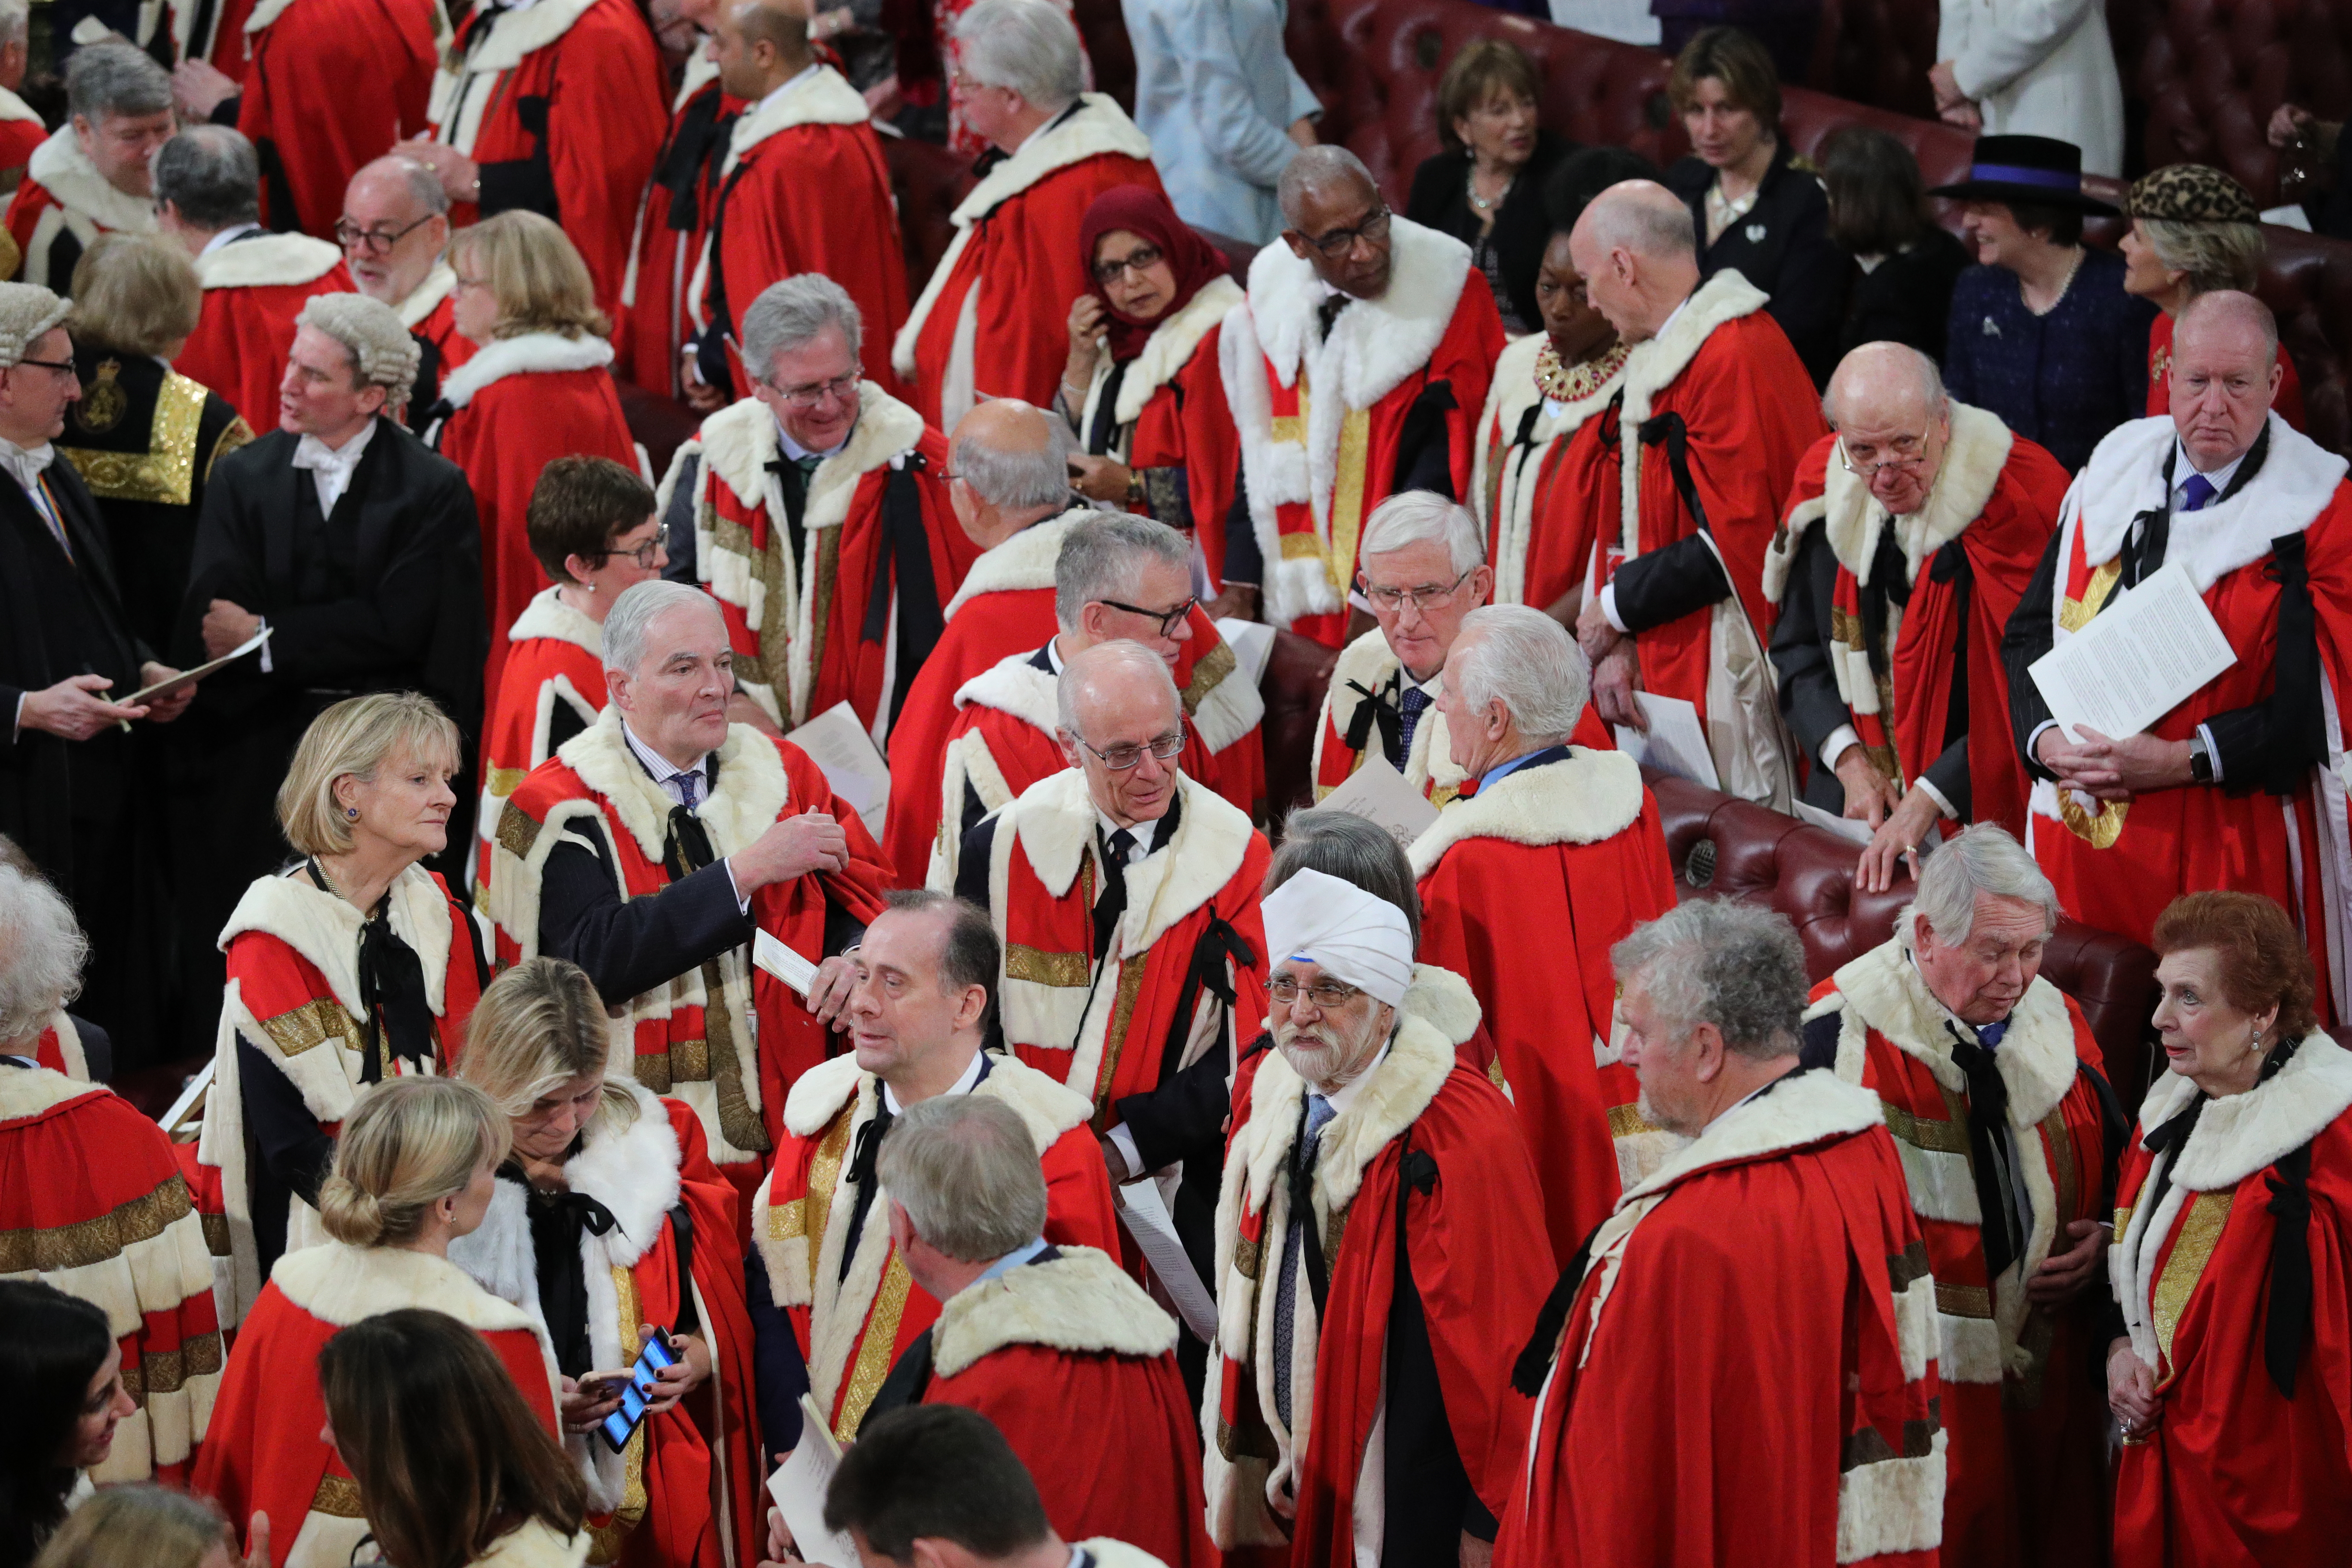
pixel 2200 759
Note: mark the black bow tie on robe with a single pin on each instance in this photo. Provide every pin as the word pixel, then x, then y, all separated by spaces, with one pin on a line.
pixel 685 849
pixel 863 1153
pixel 558 1220
pixel 1378 708
pixel 1989 1146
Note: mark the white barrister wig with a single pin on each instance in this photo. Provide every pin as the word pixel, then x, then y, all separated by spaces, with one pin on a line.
pixel 26 311
pixel 371 330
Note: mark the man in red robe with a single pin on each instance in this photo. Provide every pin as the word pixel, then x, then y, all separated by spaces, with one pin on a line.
pixel 208 198
pixel 1553 852
pixel 1380 1250
pixel 395 226
pixel 21 127
pixel 832 1300
pixel 1068 1357
pixel 1907 540
pixel 2008 1132
pixel 1716 411
pixel 1740 1366
pixel 1356 369
pixel 90 177
pixel 993 319
pixel 659 318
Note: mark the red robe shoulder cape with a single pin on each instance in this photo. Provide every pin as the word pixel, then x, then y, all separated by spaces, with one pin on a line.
pixel 1998 495
pixel 1538 547
pixel 799 625
pixel 1077 1366
pixel 254 287
pixel 1006 607
pixel 62 194
pixel 1117 1028
pixel 1479 1259
pixel 578 85
pixel 1321 422
pixel 21 131
pixel 516 407
pixel 263 1454
pixel 2236 1474
pixel 332 85
pixel 994 321
pixel 651 1505
pixel 293 995
pixel 2023 1386
pixel 555 661
pixel 805 189
pixel 673 219
pixel 1524 889
pixel 92 1202
pixel 854 1329
pixel 2288 404
pixel 1724 369
pixel 210 30
pixel 1170 425
pixel 1757 1323
pixel 59 1047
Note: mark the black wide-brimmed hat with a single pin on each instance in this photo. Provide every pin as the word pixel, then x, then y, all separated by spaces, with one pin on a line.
pixel 2036 171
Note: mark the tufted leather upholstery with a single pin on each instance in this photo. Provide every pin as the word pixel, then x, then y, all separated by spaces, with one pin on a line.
pixel 2210 72
pixel 1877 52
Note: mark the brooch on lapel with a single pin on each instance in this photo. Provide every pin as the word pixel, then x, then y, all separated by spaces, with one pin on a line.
pixel 1755 232
pixel 1990 331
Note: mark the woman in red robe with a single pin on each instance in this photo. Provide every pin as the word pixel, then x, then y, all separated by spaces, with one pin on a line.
pixel 588 1150
pixel 537 388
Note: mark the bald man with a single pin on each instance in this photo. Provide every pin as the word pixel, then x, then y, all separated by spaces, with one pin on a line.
pixel 395 226
pixel 2219 792
pixel 1682 486
pixel 661 322
pixel 1908 538
pixel 1356 370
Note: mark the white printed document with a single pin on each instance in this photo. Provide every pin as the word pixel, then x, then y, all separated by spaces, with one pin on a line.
pixel 783 963
pixel 2143 656
pixel 189 677
pixel 1378 793
pixel 1843 827
pixel 839 744
pixel 799 1486
pixel 1253 645
pixel 1677 743
pixel 1145 1213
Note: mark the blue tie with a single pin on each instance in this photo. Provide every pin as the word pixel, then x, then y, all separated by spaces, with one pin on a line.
pixel 1286 1290
pixel 2196 492
pixel 1412 705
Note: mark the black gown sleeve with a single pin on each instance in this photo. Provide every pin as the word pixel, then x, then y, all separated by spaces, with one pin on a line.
pixel 779 1370
pixel 630 946
pixel 1667 585
pixel 2026 638
pixel 1801 648
pixel 1244 562
pixel 1949 774
pixel 1424 459
pixel 294 1151
pixel 1181 1117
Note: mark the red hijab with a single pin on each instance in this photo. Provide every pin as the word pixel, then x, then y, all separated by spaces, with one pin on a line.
pixel 1147 216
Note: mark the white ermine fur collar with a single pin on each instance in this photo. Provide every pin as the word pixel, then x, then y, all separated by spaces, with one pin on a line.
pixel 1445 1000
pixel 29 1091
pixel 340 1285
pixel 1852 518
pixel 439 283
pixel 534 1544
pixel 59 166
pixel 1016 687
pixel 14 108
pixel 1884 989
pixel 740 441
pixel 1367 662
pixel 1053 823
pixel 547 615
pixel 2242 1133
pixel 1373 344
pixel 529 354
pixel 1081 1303
pixel 264 13
pixel 753 791
pixel 515 34
pixel 701 71
pixel 1048 1109
pixel 1022 562
pixel 1582 799
pixel 1419 1060
pixel 1509 398
pixel 825 98
pixel 1655 363
pixel 325 929
pixel 2126 477
pixel 269 261
pixel 1165 352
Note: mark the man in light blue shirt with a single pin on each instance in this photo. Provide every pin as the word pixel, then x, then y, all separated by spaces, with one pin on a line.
pixel 1224 108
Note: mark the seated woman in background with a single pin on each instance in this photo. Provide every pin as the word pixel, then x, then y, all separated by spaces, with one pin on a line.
pixel 1756 207
pixel 145 1527
pixel 1487 188
pixel 63 1372
pixel 1905 263
pixel 2194 229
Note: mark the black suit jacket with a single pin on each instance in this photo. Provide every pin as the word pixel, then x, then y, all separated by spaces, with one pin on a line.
pixel 1782 246
pixel 1441 199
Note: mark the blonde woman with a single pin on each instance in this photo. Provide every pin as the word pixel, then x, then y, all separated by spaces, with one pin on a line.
pixel 616 1183
pixel 414 1169
pixel 354 964
pixel 537 389
pixel 152 1526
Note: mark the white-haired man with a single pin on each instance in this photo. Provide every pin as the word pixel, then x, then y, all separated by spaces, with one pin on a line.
pixel 1681 488
pixel 1756 1318
pixel 993 321
pixel 661 846
pixel 394 229
pixel 816 512
pixel 1913 529
pixel 1381 1250
pixel 21 127
pixel 1555 853
pixel 1425 568
pixel 90 177
pixel 2009 1135
pixel 1356 369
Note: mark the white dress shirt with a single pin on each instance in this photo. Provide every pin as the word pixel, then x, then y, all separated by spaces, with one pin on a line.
pixel 673 781
pixel 233 233
pixel 965 1084
pixel 332 467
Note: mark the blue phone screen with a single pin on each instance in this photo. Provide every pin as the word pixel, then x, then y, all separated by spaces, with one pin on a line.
pixel 634 1398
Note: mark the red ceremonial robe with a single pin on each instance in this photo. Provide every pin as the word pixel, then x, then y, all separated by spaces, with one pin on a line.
pixel 1724 372
pixel 92 1202
pixel 332 85
pixel 1478 1259
pixel 1747 1372
pixel 1524 889
pixel 63 200
pixel 1998 495
pixel 59 1047
pixel 209 30
pixel 2288 404
pixel 553 686
pixel 657 320
pixel 684 1047
pixel 1367 671
pixel 855 1329
pixel 2236 1474
pixel 516 407
pixel 21 131
pixel 293 995
pixel 805 189
pixel 1322 422
pixel 2023 1385
pixel 1006 607
pixel 651 1505
pixel 798 626
pixel 254 289
pixel 263 1454
pixel 1077 1366
pixel 564 106
pixel 431 317
pixel 994 321
pixel 1539 547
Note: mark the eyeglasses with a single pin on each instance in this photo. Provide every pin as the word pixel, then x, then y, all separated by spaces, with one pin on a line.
pixel 61 366
pixel 1329 995
pixel 816 391
pixel 1910 451
pixel 1373 230
pixel 645 554
pixel 1120 759
pixel 374 241
pixel 1140 260
pixel 1392 600
pixel 1168 619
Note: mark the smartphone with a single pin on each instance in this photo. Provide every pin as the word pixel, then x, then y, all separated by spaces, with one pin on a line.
pixel 639 1392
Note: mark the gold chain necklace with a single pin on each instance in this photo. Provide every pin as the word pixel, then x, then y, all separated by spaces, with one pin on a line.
pixel 1562 382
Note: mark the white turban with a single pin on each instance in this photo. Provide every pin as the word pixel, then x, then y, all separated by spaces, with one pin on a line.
pixel 1352 935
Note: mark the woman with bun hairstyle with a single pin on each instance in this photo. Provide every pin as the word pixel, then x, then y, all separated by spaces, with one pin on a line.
pixel 609 1220
pixel 414 1169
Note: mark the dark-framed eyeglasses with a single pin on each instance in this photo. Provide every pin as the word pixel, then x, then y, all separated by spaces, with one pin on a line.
pixel 1140 260
pixel 645 554
pixel 1168 619
pixel 1373 230
pixel 1329 995
pixel 1392 600
pixel 1120 759
pixel 814 393
pixel 61 366
pixel 374 241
